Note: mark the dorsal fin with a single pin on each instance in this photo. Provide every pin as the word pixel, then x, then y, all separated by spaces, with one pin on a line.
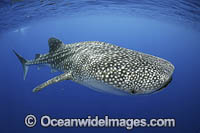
pixel 54 44
pixel 37 56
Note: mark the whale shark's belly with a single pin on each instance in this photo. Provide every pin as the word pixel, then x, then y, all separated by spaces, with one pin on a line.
pixel 102 87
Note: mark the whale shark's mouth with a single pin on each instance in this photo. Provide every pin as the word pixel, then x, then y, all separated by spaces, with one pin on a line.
pixel 162 87
pixel 166 84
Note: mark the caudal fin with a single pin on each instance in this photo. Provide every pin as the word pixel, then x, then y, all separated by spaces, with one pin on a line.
pixel 23 62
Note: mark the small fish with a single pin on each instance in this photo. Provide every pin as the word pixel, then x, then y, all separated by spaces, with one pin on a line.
pixel 103 67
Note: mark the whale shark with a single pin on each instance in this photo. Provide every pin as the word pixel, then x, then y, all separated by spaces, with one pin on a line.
pixel 103 67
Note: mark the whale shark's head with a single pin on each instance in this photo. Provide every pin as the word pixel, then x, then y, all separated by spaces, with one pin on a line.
pixel 166 72
pixel 157 78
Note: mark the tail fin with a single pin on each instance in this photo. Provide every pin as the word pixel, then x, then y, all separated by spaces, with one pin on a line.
pixel 23 62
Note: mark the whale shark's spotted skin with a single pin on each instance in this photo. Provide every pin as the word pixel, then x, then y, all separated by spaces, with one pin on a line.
pixel 104 67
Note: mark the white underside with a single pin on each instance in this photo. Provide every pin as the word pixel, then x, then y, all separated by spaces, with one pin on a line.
pixel 102 87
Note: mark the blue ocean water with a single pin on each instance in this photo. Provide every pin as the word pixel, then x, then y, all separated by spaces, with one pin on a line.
pixel 168 29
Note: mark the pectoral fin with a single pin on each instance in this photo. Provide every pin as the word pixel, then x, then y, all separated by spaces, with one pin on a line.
pixel 64 76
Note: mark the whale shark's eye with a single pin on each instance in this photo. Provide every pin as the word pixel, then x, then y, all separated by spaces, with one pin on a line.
pixel 133 91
